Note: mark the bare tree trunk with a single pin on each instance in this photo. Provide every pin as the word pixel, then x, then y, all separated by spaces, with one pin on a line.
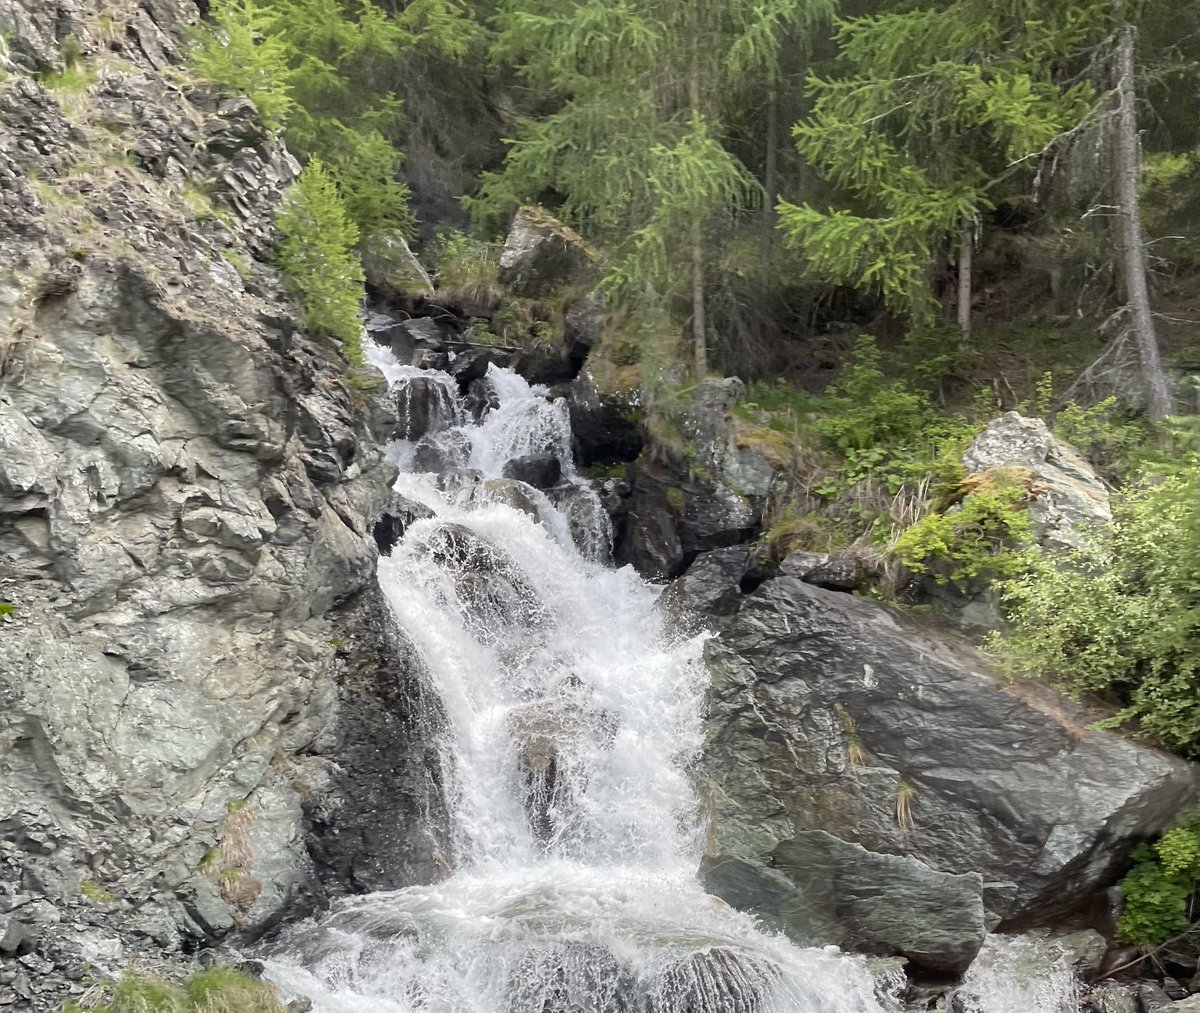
pixel 1133 254
pixel 965 249
pixel 699 323
pixel 770 170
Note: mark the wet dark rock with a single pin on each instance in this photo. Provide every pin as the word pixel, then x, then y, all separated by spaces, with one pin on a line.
pixel 604 428
pixel 472 364
pixel 423 405
pixel 399 513
pixel 442 451
pixel 1152 999
pixel 376 815
pixel 830 572
pixel 872 784
pixel 542 471
pixel 711 586
pixel 670 519
pixel 413 340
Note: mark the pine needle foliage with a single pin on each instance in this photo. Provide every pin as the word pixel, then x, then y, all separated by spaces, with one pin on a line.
pixel 636 143
pixel 930 112
pixel 317 256
pixel 326 72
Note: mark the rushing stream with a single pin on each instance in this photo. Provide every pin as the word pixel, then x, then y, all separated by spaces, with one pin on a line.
pixel 572 719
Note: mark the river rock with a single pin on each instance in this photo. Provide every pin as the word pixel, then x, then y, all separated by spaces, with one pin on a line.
pixel 711 586
pixel 1067 497
pixel 424 405
pixel 604 427
pixel 877 787
pixel 542 471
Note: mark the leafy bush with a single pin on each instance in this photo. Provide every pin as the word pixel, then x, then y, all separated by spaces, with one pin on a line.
pixel 318 259
pixel 1121 616
pixel 1160 888
pixel 981 538
pixel 217 990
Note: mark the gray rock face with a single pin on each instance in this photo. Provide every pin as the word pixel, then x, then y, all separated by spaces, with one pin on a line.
pixel 873 787
pixel 187 486
pixel 1067 499
pixel 542 255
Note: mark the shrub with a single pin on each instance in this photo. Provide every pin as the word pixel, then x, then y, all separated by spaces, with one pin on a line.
pixel 981 538
pixel 318 259
pixel 1160 887
pixel 1121 616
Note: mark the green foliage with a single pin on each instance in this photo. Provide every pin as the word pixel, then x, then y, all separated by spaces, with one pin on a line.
pixel 94 891
pixel 327 70
pixel 7 609
pixel 979 539
pixel 242 51
pixel 930 109
pixel 887 429
pixel 217 990
pixel 635 133
pixel 1121 616
pixel 318 260
pixel 1160 888
pixel 462 263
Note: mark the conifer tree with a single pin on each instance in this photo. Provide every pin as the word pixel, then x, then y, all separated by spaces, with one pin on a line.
pixel 932 110
pixel 636 149
pixel 318 258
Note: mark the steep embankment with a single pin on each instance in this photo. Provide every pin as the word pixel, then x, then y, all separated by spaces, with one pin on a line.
pixel 186 487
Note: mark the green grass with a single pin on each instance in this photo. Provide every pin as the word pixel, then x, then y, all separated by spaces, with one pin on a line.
pixel 217 990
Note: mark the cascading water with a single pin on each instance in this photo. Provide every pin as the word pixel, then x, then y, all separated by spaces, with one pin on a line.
pixel 572 719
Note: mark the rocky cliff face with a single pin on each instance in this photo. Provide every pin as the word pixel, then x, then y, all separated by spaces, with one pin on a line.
pixel 187 484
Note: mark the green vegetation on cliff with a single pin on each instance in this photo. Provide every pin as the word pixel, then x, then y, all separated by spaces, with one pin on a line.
pixel 318 259
pixel 217 990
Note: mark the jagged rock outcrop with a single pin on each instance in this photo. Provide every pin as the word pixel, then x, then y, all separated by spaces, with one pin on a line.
pixel 1066 496
pixel 187 487
pixel 878 788
pixel 707 492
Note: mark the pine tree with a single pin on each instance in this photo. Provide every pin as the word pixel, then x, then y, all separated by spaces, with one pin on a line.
pixel 318 258
pixel 636 150
pixel 932 111
pixel 241 50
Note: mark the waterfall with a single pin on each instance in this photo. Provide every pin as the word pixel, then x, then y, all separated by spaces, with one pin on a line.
pixel 572 720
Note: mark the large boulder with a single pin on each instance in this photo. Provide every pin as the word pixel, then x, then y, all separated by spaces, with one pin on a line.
pixel 1066 496
pixel 542 256
pixel 698 488
pixel 424 404
pixel 878 788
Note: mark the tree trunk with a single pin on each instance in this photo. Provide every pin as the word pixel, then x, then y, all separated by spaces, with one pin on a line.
pixel 770 171
pixel 699 324
pixel 965 249
pixel 1133 253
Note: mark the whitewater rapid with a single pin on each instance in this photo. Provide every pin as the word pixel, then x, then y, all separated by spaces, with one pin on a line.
pixel 573 717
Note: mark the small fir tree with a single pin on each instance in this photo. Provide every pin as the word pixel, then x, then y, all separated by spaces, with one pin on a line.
pixel 317 256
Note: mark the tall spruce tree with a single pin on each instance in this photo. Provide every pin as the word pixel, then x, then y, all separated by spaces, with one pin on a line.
pixel 932 111
pixel 634 152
